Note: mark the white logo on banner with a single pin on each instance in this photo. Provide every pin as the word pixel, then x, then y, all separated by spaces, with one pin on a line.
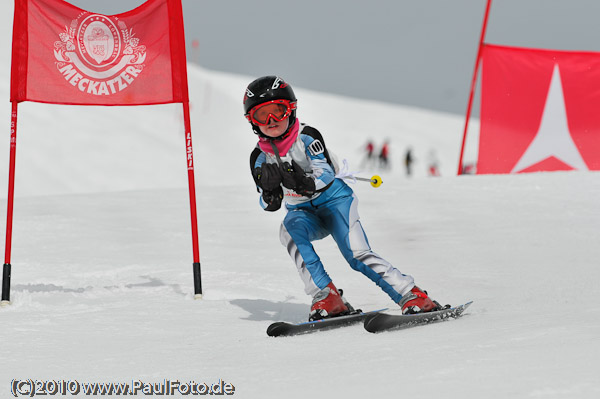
pixel 97 56
pixel 553 138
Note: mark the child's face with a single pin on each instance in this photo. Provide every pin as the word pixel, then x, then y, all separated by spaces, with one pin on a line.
pixel 274 128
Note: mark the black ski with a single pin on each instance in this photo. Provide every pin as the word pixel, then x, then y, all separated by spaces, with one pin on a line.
pixel 385 322
pixel 281 328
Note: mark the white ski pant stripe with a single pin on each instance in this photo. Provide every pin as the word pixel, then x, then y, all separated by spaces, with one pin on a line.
pixel 310 288
pixel 362 252
pixel 310 224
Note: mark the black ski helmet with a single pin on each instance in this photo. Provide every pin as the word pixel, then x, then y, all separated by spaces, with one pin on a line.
pixel 266 89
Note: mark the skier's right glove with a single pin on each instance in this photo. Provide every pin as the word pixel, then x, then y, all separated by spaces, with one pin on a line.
pixel 267 176
pixel 273 199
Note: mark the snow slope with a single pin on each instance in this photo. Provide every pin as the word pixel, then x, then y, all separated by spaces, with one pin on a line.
pixel 102 280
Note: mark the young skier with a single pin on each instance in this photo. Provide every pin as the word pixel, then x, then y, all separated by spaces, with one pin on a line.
pixel 291 163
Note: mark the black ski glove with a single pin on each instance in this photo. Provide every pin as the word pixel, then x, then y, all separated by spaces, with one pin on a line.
pixel 273 199
pixel 267 176
pixel 293 177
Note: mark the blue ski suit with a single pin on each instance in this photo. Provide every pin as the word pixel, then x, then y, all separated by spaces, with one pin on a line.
pixel 332 210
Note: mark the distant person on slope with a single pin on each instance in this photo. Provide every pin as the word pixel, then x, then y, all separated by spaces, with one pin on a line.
pixel 384 155
pixel 408 161
pixel 369 152
pixel 291 163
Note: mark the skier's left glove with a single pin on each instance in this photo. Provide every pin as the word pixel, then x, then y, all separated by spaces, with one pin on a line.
pixel 293 177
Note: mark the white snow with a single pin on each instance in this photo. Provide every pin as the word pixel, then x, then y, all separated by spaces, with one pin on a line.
pixel 102 261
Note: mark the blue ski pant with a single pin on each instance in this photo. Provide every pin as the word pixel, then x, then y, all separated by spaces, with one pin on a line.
pixel 335 213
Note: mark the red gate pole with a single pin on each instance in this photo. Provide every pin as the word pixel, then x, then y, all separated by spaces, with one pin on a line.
pixel 473 83
pixel 192 189
pixel 6 271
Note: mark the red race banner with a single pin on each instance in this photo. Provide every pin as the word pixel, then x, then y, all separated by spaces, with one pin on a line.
pixel 65 55
pixel 539 110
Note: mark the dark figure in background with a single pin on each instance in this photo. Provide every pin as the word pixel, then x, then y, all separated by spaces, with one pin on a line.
pixel 369 150
pixel 384 155
pixel 408 161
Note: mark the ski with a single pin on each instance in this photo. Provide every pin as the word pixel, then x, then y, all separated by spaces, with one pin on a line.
pixel 385 322
pixel 282 329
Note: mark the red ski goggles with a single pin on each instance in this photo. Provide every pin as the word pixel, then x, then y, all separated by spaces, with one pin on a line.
pixel 276 109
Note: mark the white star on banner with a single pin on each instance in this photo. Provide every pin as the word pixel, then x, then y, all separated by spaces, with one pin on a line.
pixel 553 138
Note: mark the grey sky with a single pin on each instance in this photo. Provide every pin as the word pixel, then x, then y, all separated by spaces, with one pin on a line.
pixel 414 52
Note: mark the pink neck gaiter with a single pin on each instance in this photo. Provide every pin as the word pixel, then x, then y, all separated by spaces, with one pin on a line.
pixel 283 146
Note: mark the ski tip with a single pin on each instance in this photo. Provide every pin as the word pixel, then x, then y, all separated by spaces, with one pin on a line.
pixel 4 304
pixel 381 322
pixel 371 323
pixel 274 330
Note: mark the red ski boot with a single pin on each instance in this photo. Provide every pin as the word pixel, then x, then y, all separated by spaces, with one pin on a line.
pixel 327 303
pixel 417 301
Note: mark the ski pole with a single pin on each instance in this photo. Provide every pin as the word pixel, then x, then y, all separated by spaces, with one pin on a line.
pixel 375 180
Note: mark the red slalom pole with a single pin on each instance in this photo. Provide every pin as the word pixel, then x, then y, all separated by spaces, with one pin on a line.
pixel 193 211
pixel 473 82
pixel 6 271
